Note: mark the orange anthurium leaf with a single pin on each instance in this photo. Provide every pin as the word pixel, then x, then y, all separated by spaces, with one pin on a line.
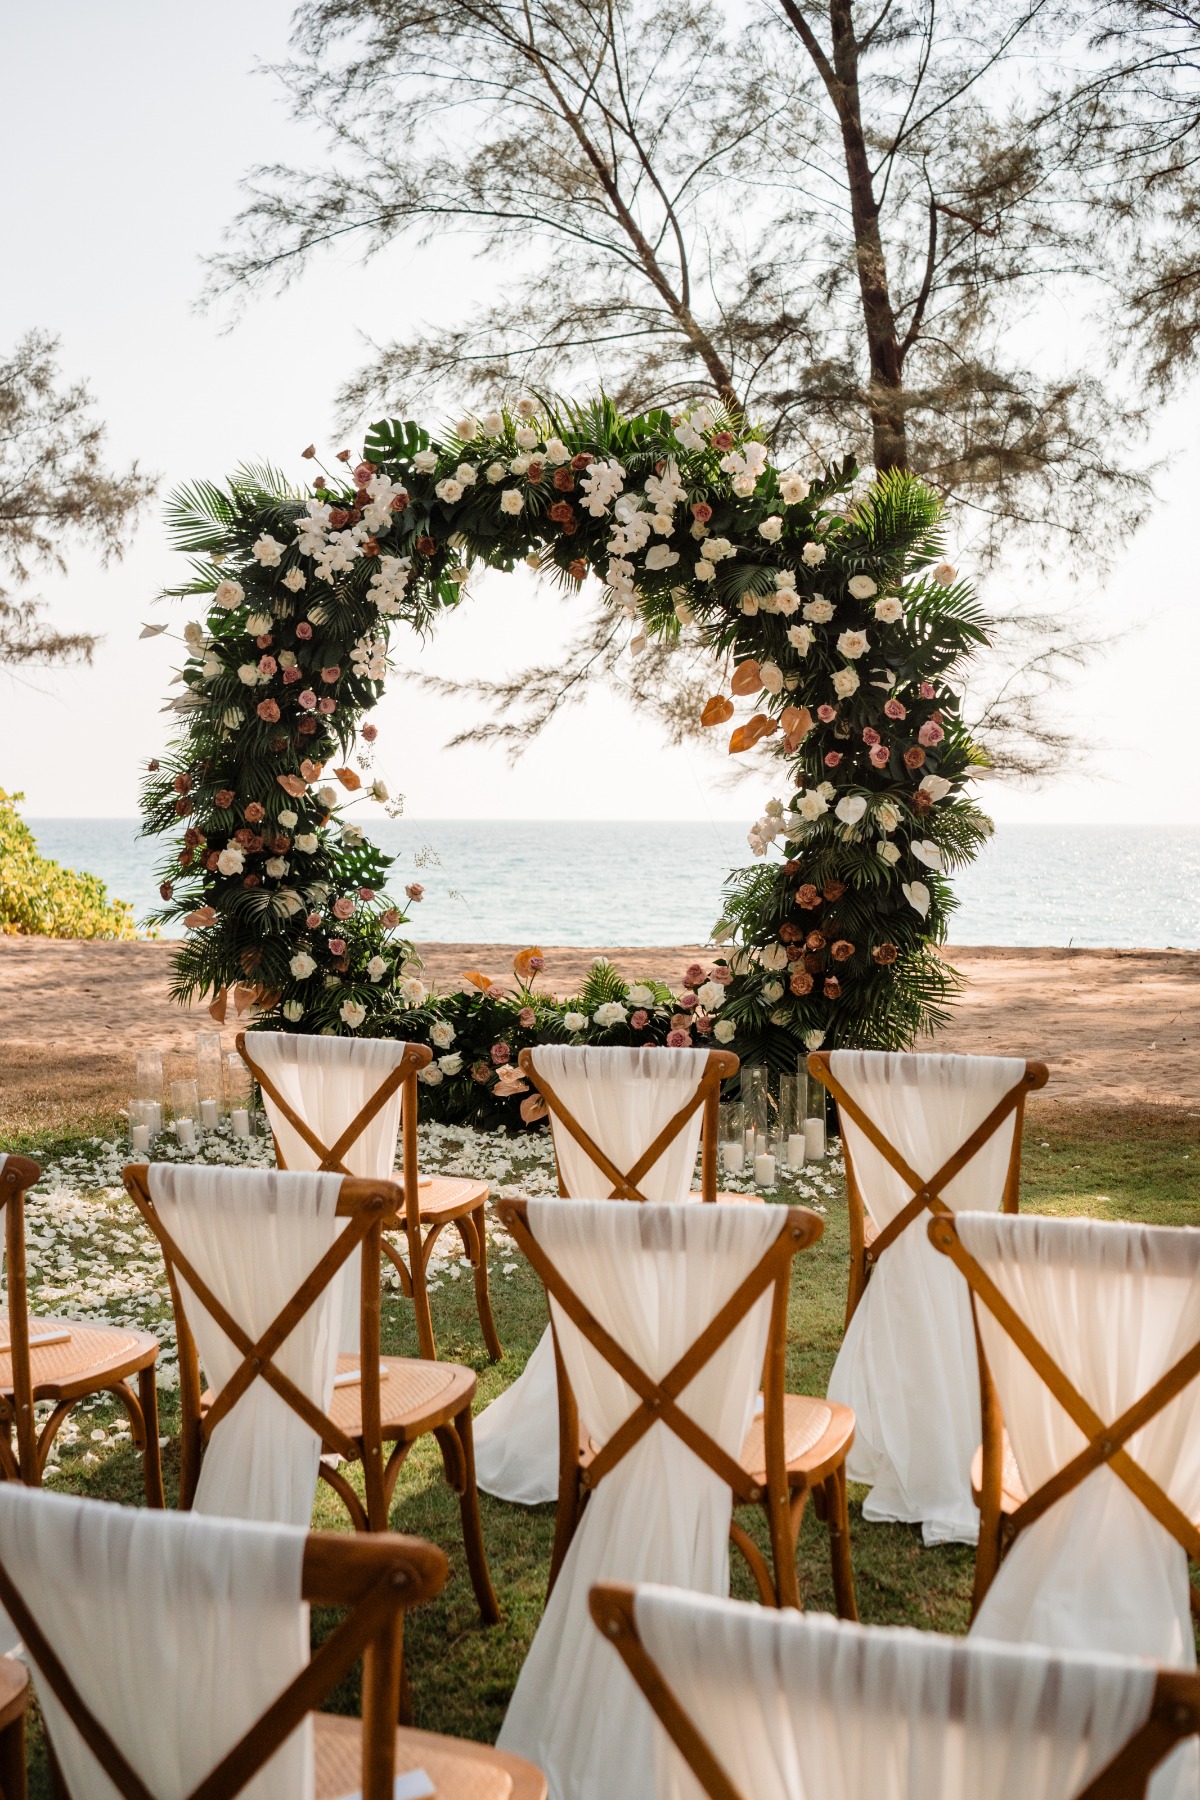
pixel 534 1108
pixel 747 735
pixel 292 784
pixel 203 915
pixel 349 779
pixel 243 997
pixel 311 771
pixel 477 979
pixel 266 998
pixel 524 964
pixel 797 721
pixel 746 678
pixel 716 710
pixel 219 1005
pixel 250 959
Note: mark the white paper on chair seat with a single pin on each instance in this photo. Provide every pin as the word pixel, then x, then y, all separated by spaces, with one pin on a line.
pixel 654 1277
pixel 907 1365
pixel 253 1235
pixel 162 1619
pixel 622 1098
pixel 799 1705
pixel 413 1785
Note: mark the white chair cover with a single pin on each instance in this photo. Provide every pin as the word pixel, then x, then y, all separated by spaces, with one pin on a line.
pixel 177 1630
pixel 907 1365
pixel 253 1235
pixel 1115 1306
pixel 804 1707
pixel 327 1081
pixel 622 1098
pixel 654 1276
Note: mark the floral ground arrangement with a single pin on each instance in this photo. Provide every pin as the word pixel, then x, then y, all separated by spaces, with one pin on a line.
pixel 841 630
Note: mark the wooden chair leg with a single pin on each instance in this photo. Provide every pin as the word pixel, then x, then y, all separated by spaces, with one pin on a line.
pixel 472 1524
pixel 838 1519
pixel 784 1513
pixel 420 1293
pixel 12 1760
pixel 152 1479
pixel 483 1298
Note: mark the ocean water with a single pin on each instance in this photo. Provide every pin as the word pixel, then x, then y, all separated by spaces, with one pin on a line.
pixel 607 882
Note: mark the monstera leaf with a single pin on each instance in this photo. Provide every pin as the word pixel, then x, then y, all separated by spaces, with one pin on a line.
pixel 394 440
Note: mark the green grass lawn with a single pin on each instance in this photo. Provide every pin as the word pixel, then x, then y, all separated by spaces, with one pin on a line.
pixel 1142 1165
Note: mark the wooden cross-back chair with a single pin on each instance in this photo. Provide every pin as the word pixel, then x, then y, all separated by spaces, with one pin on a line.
pixel 867 1242
pixel 797 1446
pixel 377 1400
pixel 431 1202
pixel 720 1065
pixel 1005 1509
pixel 63 1361
pixel 1174 1713
pixel 377 1580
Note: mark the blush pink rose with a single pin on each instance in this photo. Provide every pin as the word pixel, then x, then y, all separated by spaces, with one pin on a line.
pixel 343 907
pixel 879 755
pixel 926 690
pixel 291 676
pixel 687 1002
pixel 500 1053
pixel 827 714
pixel 265 641
pixel 312 921
pixel 678 1040
pixel 337 946
pixel 366 894
pixel 930 734
pixel 639 1020
pixel 693 974
pixel 895 710
pixel 327 707
pixel 308 700
pixel 363 474
pixel 870 736
pixel 267 665
pixel 370 733
pixel 331 674
pixel 832 758
pixel 415 891
pixel 704 1025
pixel 527 1018
pixel 722 974
pixel 304 630
pixel 268 710
pixel 389 919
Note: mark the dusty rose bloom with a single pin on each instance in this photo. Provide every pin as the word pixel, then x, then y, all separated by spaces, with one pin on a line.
pixel 267 665
pixel 500 1052
pixel 389 919
pixel 827 714
pixel 481 1071
pixel 832 758
pixel 833 987
pixel 926 690
pixel 337 946
pixel 688 1002
pixel 930 734
pixel 304 630
pixel 370 733
pixel 343 907
pixel 914 757
pixel 693 974
pixel 415 891
pixel 841 950
pixel 678 1038
pixel 816 940
pixel 292 676
pixel 312 921
pixel 801 982
pixel 639 1020
pixel 833 890
pixel 895 710
pixel 527 1018
pixel 870 736
pixel 702 512
pixel 722 974
pixel 367 894
pixel 331 674
pixel 327 707
pixel 879 756
pixel 704 1025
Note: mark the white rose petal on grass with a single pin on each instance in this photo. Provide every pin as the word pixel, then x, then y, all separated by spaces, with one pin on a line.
pixel 845 683
pixel 927 852
pixel 851 809
pixel 771 528
pixel 511 501
pixel 229 594
pixel 917 895
pixel 853 644
pixel 611 1013
pixel 889 612
pixel 302 965
pixel 813 554
pixel 936 786
pixel 862 587
pixel 575 1021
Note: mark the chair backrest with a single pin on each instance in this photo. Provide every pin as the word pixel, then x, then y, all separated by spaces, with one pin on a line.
pixel 1090 1340
pixel 925 1133
pixel 17 1175
pixel 337 1103
pixel 254 1259
pixel 767 1705
pixel 171 1651
pixel 627 1122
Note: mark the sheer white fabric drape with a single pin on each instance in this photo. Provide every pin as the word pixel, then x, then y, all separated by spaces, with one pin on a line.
pixel 654 1276
pixel 327 1081
pixel 252 1236
pixel 177 1630
pixel 622 1098
pixel 804 1707
pixel 1115 1306
pixel 907 1365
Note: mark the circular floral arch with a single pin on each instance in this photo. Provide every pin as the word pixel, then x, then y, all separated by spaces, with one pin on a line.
pixel 826 602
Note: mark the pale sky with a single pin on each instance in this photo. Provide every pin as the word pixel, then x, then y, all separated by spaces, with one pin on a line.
pixel 123 170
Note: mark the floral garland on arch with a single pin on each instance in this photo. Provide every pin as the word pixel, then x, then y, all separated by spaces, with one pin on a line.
pixel 841 626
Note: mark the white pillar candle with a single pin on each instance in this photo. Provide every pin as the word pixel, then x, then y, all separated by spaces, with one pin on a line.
pixel 209 1114
pixel 760 1144
pixel 139 1137
pixel 764 1169
pixel 749 1140
pixel 733 1155
pixel 795 1150
pixel 241 1121
pixel 185 1131
pixel 156 1119
pixel 814 1139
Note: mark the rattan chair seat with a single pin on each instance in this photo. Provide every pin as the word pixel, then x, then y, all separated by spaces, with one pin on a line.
pixel 815 1433
pixel 14 1690
pixel 411 1395
pixel 446 1196
pixel 92 1355
pixel 458 1770
pixel 1012 1488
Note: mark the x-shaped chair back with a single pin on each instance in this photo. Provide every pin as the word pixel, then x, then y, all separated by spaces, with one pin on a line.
pixel 17 1175
pixel 368 1208
pixel 926 1193
pixel 1174 1712
pixel 1105 1438
pixel 377 1578
pixel 719 1066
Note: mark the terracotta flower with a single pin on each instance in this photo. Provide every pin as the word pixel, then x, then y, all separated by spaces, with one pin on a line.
pixel 268 710
pixel 693 974
pixel 789 933
pixel 166 890
pixel 578 569
pixel 183 806
pixel 914 756
pixel 254 813
pixel 584 460
pixel 192 837
pixel 814 961
pixel 223 799
pixel 562 512
pixel 481 1071
pixel 841 950
pixel 186 858
pixel 833 988
pixel 389 919
pixel 426 546
pixel 564 481
pixel 834 890
pixel 808 897
pixel 801 982
pixel 182 784
pixel 815 940
pixel 885 953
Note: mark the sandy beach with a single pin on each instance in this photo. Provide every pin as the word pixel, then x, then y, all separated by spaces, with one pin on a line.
pixel 1119 1028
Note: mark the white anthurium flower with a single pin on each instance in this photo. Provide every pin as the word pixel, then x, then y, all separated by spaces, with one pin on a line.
pixel 862 587
pixel 926 851
pixel 813 554
pixel 442 1034
pixel 575 1021
pixel 450 1065
pixel 288 818
pixel 801 639
pixel 425 462
pixel 793 489
pixel 845 682
pixel 889 611
pixel 771 676
pixel 611 1013
pixel 818 610
pixel 724 1031
pixel 773 957
pixel 379 791
pixel 772 991
pixel 377 968
pixel 660 557
pixel 267 550
pixel 771 529
pixel 293 1011
pixel 710 995
pixel 302 965
pixel 511 501
pixel 853 644
pixel 229 595
pixel 888 851
pixel 936 786
pixel 917 895
pixel 813 1040
pixel 851 809
pixel 641 995
pixel 684 613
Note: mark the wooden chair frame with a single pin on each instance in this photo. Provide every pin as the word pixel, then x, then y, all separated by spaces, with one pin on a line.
pixel 1105 1440
pixel 376 1578
pixel 28 1462
pixel 867 1243
pixel 413 1274
pixel 721 1064
pixel 1174 1712
pixel 369 1207
pixel 658 1399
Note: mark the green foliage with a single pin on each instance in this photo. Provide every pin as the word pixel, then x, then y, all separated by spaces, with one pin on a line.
pixel 39 898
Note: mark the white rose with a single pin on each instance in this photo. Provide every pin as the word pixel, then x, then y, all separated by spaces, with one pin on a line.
pixel 724 1031
pixel 819 611
pixel 771 528
pixel 851 809
pixel 379 791
pixel 194 638
pixel 294 579
pixel 812 806
pixel 466 430
pixel 492 423
pixel 813 1040
pixel 288 818
pixel 641 995
pixel 889 612
pixel 229 594
pixel 750 605
pixel 466 475
pixel 432 1076
pixel 231 861
pixel 945 574
pixel 442 1034
pixel 377 968
pixel 450 1065
pixel 511 501
pixel 704 570
pixel 718 548
pixel 812 554
pixel 853 644
pixel 611 1013
pixel 519 464
pixel 773 957
pixel 888 851
pixel 290 901
pixel 425 462
pixel 257 623
pixel 327 798
pixel 412 991
pixel 293 1011
pixel 862 587
pixel 888 814
pixel 771 676
pixel 302 965
pixel 557 452
pixel 792 489
pixel 249 674
pixel 660 557
pixel 772 991
pixel 287 659
pixel 526 439
pixel 525 407
pixel 845 683
pixel 936 786
pixel 212 666
pixel 711 995
pixel 800 638
pixel 267 550
pixel 786 601
pixel 306 843
pixel 276 866
pixel 449 490
pixel 496 471
pixel 575 1021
